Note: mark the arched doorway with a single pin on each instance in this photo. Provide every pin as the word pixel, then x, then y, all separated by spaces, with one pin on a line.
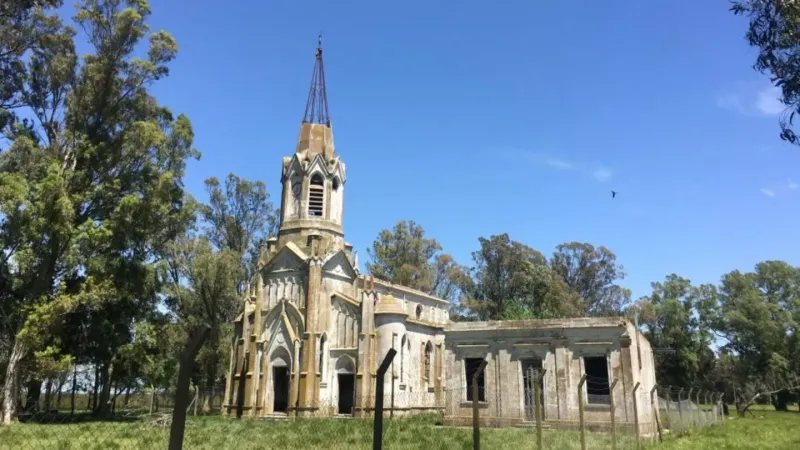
pixel 346 379
pixel 280 362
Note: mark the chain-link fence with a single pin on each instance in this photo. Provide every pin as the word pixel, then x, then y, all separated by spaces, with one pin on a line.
pixel 593 413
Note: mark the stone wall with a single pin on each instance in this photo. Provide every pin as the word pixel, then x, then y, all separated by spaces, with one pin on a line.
pixel 562 347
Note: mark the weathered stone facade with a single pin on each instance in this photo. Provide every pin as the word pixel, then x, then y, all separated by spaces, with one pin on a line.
pixel 314 330
pixel 563 348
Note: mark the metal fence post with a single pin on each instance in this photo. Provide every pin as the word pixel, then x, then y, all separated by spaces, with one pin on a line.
pixel 680 408
pixel 476 416
pixel 179 409
pixel 691 416
pixel 656 418
pixel 699 419
pixel 613 403
pixel 537 383
pixel 636 415
pixel 669 400
pixel 377 430
pixel 580 411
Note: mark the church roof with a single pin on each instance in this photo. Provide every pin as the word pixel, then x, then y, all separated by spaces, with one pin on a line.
pixel 388 305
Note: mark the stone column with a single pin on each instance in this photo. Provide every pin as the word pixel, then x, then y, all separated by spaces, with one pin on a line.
pixel 364 382
pixel 561 356
pixel 294 383
pixel 626 366
pixel 309 382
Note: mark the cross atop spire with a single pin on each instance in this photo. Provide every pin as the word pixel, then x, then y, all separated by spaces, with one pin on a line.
pixel 317 104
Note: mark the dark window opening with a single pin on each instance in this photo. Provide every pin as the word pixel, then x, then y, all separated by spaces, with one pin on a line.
pixel 419 311
pixel 597 387
pixel 428 353
pixel 316 196
pixel 335 185
pixel 322 359
pixel 471 366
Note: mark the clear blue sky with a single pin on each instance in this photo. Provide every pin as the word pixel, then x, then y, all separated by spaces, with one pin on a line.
pixel 480 117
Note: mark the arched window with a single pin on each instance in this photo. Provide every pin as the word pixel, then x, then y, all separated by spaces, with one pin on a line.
pixel 402 357
pixel 428 354
pixel 316 196
pixel 335 185
pixel 322 358
pixel 419 311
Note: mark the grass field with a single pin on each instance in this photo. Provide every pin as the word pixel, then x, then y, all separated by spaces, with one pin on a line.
pixel 769 430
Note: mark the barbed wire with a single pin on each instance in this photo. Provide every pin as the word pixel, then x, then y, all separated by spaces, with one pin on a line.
pixel 420 410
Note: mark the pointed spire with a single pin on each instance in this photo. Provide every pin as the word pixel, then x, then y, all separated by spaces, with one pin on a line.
pixel 317 104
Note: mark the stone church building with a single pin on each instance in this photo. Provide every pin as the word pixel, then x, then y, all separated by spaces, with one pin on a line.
pixel 314 330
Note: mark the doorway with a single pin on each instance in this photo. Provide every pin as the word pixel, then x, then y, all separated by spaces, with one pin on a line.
pixel 347 383
pixel 531 368
pixel 280 384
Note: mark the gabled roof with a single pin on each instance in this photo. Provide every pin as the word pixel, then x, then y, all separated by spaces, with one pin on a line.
pixel 289 249
pixel 339 259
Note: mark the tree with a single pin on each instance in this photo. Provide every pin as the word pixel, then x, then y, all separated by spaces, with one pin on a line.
pixel 755 315
pixel 24 27
pixel 202 291
pixel 669 316
pixel 773 30
pixel 91 196
pixel 403 255
pixel 510 280
pixel 239 218
pixel 591 273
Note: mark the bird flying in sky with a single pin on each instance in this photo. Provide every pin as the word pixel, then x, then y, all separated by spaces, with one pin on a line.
pixel 613 194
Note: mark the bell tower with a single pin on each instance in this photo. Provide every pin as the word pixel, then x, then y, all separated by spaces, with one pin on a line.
pixel 313 178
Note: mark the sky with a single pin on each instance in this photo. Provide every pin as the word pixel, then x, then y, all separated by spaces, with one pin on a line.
pixel 476 118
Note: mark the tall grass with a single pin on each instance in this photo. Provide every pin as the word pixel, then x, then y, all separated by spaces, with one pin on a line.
pixel 768 430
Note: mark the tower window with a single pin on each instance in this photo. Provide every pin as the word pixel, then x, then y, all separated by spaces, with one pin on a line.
pixel 419 311
pixel 335 184
pixel 316 196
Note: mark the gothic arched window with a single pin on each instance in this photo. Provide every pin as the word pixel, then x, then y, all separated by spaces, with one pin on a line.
pixel 322 358
pixel 402 357
pixel 316 196
pixel 428 354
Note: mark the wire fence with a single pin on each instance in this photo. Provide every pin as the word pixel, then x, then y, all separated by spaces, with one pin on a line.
pixel 592 413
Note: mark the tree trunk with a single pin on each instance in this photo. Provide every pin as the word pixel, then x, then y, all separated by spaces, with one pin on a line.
pixel 8 410
pixel 152 398
pixel 74 388
pixel 62 380
pixel 781 400
pixel 104 403
pixel 48 394
pixel 93 397
pixel 34 394
pixel 127 397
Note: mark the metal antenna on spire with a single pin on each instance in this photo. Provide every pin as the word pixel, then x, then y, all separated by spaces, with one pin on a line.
pixel 317 104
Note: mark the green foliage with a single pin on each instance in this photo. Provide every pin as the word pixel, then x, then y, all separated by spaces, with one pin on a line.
pixel 403 255
pixel 591 272
pixel 93 193
pixel 773 30
pixel 669 315
pixel 513 281
pixel 239 219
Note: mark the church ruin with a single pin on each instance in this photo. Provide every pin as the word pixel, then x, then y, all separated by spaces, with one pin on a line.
pixel 314 330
